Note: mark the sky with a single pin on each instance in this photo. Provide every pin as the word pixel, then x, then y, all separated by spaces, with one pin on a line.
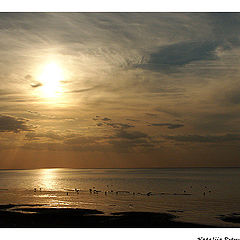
pixel 119 90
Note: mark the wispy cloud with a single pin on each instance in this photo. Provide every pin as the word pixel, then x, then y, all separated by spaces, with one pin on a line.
pixel 205 139
pixel 168 125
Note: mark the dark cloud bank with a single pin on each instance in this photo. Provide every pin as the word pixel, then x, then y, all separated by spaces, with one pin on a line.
pixel 13 124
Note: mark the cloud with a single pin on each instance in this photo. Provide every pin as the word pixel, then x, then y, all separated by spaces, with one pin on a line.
pixel 13 124
pixel 4 92
pixel 234 96
pixel 128 141
pixel 217 121
pixel 172 112
pixel 205 139
pixel 28 77
pixel 36 136
pixel 226 28
pixel 169 125
pixel 10 96
pixel 35 85
pixel 106 122
pixel 170 57
pixel 84 89
pixel 119 125
pixel 131 135
pixel 151 114
pixel 44 146
pixel 133 141
pixel 224 35
pixel 126 145
pixel 132 120
pixel 81 140
pixel 122 140
pixel 37 115
pixel 106 119
pixel 229 94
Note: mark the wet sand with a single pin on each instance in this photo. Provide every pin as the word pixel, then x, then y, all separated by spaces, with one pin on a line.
pixel 32 216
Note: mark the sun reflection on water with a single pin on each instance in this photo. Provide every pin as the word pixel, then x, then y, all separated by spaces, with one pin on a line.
pixel 48 179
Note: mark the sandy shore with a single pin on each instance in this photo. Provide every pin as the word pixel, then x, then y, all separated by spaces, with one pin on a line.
pixel 37 216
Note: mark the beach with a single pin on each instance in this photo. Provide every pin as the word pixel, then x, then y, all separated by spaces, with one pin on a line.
pixel 35 216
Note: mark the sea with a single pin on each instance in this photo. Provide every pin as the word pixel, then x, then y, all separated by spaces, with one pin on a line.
pixel 197 195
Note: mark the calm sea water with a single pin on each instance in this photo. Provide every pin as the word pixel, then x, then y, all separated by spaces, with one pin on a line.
pixel 179 191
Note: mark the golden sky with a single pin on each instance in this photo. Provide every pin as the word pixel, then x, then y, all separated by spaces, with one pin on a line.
pixel 113 90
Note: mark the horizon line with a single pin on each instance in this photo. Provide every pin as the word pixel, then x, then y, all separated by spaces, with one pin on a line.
pixel 116 168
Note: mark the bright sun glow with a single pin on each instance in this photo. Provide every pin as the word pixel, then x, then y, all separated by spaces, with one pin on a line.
pixel 50 78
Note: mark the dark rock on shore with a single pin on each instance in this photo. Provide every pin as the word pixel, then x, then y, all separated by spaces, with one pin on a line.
pixel 233 217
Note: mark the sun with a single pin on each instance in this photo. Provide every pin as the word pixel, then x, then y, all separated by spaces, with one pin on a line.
pixel 50 77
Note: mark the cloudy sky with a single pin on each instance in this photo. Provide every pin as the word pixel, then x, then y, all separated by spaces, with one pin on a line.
pixel 113 90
